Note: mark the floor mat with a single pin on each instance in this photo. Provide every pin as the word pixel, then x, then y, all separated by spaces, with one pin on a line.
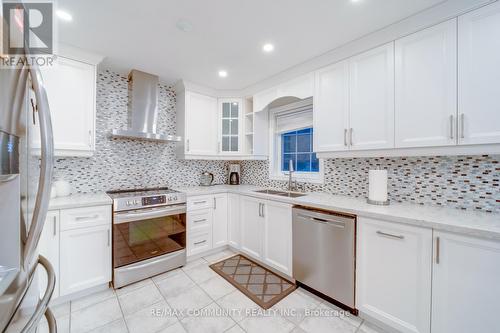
pixel 260 284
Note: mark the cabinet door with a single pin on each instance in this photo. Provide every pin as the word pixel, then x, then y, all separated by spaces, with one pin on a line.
pixel 70 86
pixel 201 124
pixel 426 87
pixel 479 76
pixel 219 232
pixel 393 272
pixel 48 246
pixel 331 108
pixel 230 125
pixel 465 288
pixel 372 99
pixel 234 230
pixel 252 224
pixel 278 236
pixel 85 258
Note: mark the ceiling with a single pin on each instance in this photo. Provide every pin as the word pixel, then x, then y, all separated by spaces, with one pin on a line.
pixel 226 34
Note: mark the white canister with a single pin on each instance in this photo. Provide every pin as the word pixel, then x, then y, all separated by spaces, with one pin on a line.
pixel 377 187
pixel 63 188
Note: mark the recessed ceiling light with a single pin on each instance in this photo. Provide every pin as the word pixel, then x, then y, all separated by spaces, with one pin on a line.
pixel 184 26
pixel 63 15
pixel 355 1
pixel 222 73
pixel 268 47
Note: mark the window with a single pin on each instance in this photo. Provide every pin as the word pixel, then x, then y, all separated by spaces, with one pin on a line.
pixel 291 139
pixel 298 147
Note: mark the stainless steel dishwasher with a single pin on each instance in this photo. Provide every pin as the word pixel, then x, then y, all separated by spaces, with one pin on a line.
pixel 324 253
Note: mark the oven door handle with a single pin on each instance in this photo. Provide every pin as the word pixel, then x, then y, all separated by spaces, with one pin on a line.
pixel 142 214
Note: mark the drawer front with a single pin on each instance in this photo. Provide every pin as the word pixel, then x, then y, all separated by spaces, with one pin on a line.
pixel 200 202
pixel 199 242
pixel 85 217
pixel 199 220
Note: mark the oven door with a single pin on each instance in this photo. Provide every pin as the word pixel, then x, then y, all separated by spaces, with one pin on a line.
pixel 147 233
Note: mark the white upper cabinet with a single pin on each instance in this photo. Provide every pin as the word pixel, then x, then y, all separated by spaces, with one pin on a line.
pixel 201 124
pixel 393 270
pixel 426 87
pixel 71 91
pixel 230 125
pixel 465 288
pixel 331 108
pixel 371 96
pixel 479 76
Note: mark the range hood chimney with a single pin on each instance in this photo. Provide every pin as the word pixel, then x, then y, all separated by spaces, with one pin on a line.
pixel 143 110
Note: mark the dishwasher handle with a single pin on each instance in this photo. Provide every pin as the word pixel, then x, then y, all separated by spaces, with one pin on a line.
pixel 331 220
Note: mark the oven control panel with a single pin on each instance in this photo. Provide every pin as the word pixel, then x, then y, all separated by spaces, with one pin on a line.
pixel 154 200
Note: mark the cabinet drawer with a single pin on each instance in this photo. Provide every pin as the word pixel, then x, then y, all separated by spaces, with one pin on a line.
pixel 201 202
pixel 199 220
pixel 199 242
pixel 85 217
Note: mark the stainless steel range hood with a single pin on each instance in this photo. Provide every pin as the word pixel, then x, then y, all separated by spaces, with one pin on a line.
pixel 143 110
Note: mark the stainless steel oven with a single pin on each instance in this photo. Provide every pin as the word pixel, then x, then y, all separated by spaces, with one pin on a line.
pixel 149 234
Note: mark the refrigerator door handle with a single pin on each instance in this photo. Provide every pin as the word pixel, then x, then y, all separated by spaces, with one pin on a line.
pixel 42 307
pixel 46 166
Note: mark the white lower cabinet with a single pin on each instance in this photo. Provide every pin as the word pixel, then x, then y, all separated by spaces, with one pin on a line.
pixel 85 258
pixel 266 232
pixel 207 223
pixel 48 246
pixel 252 226
pixel 393 276
pixel 465 288
pixel 233 219
pixel 77 242
pixel 278 236
pixel 219 237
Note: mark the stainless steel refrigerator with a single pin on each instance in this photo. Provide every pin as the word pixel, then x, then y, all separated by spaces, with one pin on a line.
pixel 25 183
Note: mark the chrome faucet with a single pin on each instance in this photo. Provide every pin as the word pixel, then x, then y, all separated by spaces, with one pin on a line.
pixel 290 172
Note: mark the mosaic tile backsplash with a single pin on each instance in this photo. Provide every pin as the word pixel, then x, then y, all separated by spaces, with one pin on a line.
pixel 119 163
pixel 469 182
pixel 464 182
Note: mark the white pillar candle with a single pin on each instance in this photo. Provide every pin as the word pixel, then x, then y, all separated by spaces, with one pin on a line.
pixel 377 185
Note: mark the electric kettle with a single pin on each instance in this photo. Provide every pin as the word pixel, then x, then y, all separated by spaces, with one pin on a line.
pixel 206 179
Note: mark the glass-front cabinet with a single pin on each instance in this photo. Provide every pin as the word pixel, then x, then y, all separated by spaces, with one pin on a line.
pixel 230 125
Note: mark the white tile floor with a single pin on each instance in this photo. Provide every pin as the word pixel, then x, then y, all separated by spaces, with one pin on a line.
pixel 144 308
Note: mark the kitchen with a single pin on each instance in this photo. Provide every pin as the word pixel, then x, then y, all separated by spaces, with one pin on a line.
pixel 244 182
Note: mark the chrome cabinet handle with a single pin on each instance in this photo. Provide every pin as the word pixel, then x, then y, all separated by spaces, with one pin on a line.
pixel 263 215
pixel 93 217
pixel 198 221
pixel 381 233
pixel 437 250
pixel 215 203
pixel 199 202
pixel 34 110
pixel 109 237
pixel 462 126
pixel 260 209
pixel 350 137
pixel 54 225
pixel 345 137
pixel 451 126
pixel 201 242
pixel 187 145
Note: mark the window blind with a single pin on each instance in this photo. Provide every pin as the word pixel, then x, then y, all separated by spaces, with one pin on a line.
pixel 294 119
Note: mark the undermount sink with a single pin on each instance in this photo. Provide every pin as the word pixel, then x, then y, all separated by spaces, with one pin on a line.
pixel 281 193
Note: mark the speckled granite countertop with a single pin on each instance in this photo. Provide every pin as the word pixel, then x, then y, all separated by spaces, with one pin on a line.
pixel 80 200
pixel 474 223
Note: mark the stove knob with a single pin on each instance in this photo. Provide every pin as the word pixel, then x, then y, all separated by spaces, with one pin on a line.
pixel 169 199
pixel 128 203
pixel 136 202
pixel 175 198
